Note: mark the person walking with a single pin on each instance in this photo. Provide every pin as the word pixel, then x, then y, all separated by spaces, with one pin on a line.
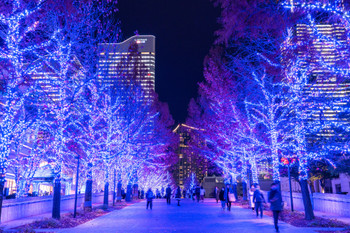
pixel 251 196
pixel 168 195
pixel 227 197
pixel 216 194
pixel 198 192
pixel 149 197
pixel 258 199
pixel 178 195
pixel 202 193
pixel 222 198
pixel 193 194
pixel 275 198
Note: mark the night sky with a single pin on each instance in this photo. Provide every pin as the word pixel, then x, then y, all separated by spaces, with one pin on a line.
pixel 184 31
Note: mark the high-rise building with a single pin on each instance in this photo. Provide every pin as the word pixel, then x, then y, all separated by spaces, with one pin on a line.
pixel 190 161
pixel 49 82
pixel 129 62
pixel 326 90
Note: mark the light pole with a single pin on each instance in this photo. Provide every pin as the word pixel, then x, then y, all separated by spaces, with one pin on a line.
pixel 290 188
pixel 288 161
pixel 114 194
pixel 76 190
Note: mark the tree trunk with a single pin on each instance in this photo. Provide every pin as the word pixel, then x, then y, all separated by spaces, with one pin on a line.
pixel 56 200
pixel 309 212
pixel 244 186
pixel 234 185
pixel 128 193
pixel 119 192
pixel 2 185
pixel 27 188
pixel 105 197
pixel 114 192
pixel 88 195
pixel 136 191
pixel 88 190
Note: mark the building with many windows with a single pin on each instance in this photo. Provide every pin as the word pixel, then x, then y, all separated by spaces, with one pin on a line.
pixel 326 90
pixel 129 62
pixel 190 161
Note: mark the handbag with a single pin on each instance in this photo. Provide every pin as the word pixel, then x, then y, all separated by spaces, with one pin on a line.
pixel 231 197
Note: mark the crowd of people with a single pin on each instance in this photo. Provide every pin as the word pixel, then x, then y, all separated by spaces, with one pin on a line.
pixel 226 196
pixel 196 194
pixel 256 200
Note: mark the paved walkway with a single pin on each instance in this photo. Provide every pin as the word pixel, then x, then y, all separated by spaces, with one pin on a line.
pixel 189 217
pixel 343 219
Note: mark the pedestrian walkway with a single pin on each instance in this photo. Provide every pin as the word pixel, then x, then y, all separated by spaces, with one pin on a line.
pixel 189 217
pixel 343 219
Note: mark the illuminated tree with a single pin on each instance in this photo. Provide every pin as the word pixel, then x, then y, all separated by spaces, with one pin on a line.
pixel 21 42
pixel 315 137
pixel 29 154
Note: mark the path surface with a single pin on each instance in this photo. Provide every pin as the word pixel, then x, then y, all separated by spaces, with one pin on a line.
pixel 189 217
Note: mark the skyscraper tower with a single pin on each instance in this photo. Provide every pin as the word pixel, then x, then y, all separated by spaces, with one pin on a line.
pixel 131 62
pixel 327 89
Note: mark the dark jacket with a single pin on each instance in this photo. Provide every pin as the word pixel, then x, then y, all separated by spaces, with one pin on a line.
pixel 168 191
pixel 227 190
pixel 275 198
pixel 149 195
pixel 258 196
pixel 198 190
pixel 222 195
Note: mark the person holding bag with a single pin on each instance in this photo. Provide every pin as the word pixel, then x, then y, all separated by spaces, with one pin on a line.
pixel 228 197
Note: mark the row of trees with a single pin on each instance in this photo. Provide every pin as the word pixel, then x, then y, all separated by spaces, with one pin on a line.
pixel 275 90
pixel 55 109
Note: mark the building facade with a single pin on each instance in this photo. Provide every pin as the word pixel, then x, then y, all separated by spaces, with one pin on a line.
pixel 129 62
pixel 322 46
pixel 190 160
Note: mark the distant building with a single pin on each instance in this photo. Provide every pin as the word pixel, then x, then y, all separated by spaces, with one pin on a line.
pixel 128 62
pixel 190 161
pixel 326 90
pixel 48 79
pixel 209 184
pixel 337 185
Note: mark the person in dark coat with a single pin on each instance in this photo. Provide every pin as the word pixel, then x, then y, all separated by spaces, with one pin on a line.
pixel 258 199
pixel 198 192
pixel 275 198
pixel 168 194
pixel 149 197
pixel 178 195
pixel 227 198
pixel 193 194
pixel 222 198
